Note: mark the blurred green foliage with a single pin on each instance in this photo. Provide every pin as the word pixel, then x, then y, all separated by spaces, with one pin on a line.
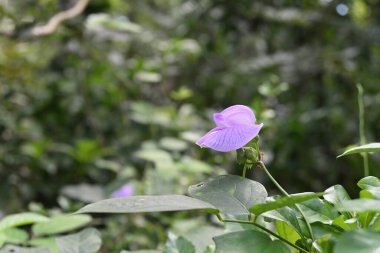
pixel 120 93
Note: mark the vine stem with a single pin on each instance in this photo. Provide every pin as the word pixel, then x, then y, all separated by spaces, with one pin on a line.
pixel 267 231
pixel 262 165
pixel 363 140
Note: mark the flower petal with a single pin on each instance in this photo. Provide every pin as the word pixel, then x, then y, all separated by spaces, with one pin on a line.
pixel 237 115
pixel 225 139
pixel 125 191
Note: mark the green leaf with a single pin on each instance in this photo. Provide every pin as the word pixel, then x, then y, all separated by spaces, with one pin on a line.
pixel 86 241
pixel 47 242
pixel 372 185
pixel 249 241
pixel 189 165
pixel 364 194
pixel 230 194
pixel 372 147
pixel 209 249
pixel 360 205
pixel 365 218
pixel 141 251
pixel 321 230
pixel 336 195
pixel 149 77
pixel 319 210
pixel 201 236
pixel 375 224
pixel 287 232
pixel 141 204
pixel 60 224
pixel 178 245
pixel 173 144
pixel 84 192
pixel 290 217
pixel 282 202
pixel 107 22
pixel 358 241
pixel 346 224
pixel 21 219
pixel 154 155
pixel 13 235
pixel 367 208
pixel 324 244
pixel 16 249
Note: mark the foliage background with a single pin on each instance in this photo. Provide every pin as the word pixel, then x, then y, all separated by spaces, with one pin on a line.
pixel 120 93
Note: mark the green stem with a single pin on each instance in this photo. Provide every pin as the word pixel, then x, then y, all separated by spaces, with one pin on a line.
pixel 365 162
pixel 262 165
pixel 363 140
pixel 245 169
pixel 269 232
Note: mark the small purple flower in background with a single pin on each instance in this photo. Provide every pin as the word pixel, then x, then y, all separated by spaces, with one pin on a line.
pixel 124 191
pixel 235 127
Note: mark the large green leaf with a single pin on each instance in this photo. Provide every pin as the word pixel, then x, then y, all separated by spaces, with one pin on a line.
pixel 60 224
pixel 140 204
pixel 86 241
pixel 21 219
pixel 178 245
pixel 372 185
pixel 16 249
pixel 230 194
pixel 249 241
pixel 360 205
pixel 282 202
pixel 319 210
pixel 372 147
pixel 358 241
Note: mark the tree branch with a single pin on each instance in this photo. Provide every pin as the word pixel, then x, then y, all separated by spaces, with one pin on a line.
pixel 58 18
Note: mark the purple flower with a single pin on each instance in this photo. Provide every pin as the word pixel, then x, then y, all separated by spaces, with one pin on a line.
pixel 124 191
pixel 235 127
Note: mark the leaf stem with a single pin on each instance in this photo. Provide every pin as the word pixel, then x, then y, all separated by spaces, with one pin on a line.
pixel 245 169
pixel 363 140
pixel 269 232
pixel 262 165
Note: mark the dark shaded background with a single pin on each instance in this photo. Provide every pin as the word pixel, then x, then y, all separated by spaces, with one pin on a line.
pixel 120 93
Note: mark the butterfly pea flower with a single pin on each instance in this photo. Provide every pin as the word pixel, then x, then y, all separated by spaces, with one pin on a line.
pixel 235 127
pixel 124 191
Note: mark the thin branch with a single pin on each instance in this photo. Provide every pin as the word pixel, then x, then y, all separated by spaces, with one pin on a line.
pixel 58 18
